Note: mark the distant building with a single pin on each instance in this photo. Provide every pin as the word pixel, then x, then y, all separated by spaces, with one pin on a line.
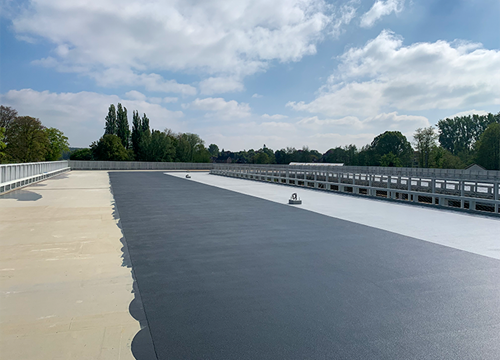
pixel 315 164
pixel 475 167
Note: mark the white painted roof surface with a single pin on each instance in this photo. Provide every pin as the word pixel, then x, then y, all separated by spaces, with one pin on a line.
pixel 469 232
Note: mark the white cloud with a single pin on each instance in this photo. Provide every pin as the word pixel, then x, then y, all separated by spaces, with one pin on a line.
pixel 219 85
pixel 151 82
pixel 274 126
pixel 379 9
pixel 315 122
pixel 119 76
pixel 344 16
pixel 279 135
pixel 170 99
pixel 377 124
pixel 155 100
pixel 216 37
pixel 383 75
pixel 220 108
pixel 135 95
pixel 274 117
pixel 256 96
pixel 315 132
pixel 326 141
pixel 394 122
pixel 81 115
pixel 350 99
pixel 468 112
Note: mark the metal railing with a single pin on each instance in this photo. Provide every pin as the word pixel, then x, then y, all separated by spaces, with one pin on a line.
pixel 463 189
pixel 470 190
pixel 13 176
pixel 136 165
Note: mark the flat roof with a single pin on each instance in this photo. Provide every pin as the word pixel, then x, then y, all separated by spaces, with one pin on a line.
pixel 226 269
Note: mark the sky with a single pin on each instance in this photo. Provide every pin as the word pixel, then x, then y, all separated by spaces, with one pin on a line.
pixel 241 74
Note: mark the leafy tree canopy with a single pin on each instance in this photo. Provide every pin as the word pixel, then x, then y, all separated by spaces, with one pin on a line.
pixel 390 160
pixel 27 140
pixel 443 159
pixel 58 143
pixel 488 148
pixel 157 146
pixel 424 141
pixel 458 135
pixel 392 142
pixel 109 148
pixel 2 144
pixel 110 127
pixel 122 127
pixel 7 115
pixel 81 154
pixel 213 150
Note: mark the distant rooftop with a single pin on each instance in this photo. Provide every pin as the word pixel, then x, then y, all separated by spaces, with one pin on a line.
pixel 316 164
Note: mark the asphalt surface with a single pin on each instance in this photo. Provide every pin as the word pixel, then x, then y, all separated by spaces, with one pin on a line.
pixel 224 275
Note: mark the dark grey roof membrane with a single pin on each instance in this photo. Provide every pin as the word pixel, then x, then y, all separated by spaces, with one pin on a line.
pixel 224 275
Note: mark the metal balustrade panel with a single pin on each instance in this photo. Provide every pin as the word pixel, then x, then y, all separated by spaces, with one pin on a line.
pixel 13 176
pixel 471 190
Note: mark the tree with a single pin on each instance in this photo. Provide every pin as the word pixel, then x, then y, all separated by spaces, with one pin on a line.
pixel 458 135
pixel 306 156
pixel 144 140
pixel 186 146
pixel 390 160
pixel 443 159
pixel 58 143
pixel 488 148
pixel 145 124
pixel 182 149
pixel 392 142
pixel 213 150
pixel 264 156
pixel 136 132
pixel 81 154
pixel 424 141
pixel 27 140
pixel 366 156
pixel 285 156
pixel 7 115
pixel 109 148
pixel 337 155
pixel 110 128
pixel 122 127
pixel 201 154
pixel 2 145
pixel 157 146
pixel 346 155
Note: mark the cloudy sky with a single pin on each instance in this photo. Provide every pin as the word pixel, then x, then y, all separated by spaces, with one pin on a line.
pixel 251 72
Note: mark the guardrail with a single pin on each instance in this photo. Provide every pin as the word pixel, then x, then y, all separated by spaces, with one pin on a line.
pixel 462 189
pixel 13 176
pixel 470 190
pixel 136 165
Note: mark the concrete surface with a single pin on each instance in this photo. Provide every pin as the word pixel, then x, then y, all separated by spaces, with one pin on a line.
pixel 224 275
pixel 469 232
pixel 65 288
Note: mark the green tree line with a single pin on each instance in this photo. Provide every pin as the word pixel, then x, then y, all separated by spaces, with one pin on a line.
pixel 141 143
pixel 453 144
pixel 24 139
